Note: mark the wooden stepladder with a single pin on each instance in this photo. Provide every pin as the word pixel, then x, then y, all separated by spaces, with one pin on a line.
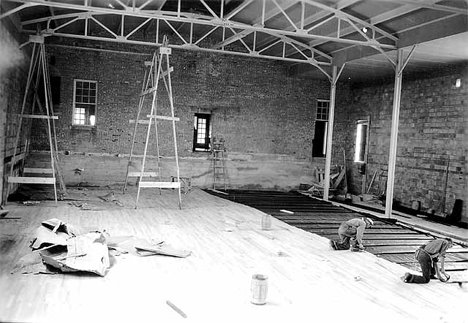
pixel 37 94
pixel 158 69
pixel 218 154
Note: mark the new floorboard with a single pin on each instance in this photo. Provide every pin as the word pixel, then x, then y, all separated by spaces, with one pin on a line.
pixel 307 282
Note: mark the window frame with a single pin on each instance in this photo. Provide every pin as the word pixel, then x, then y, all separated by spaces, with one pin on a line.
pixel 206 145
pixel 361 145
pixel 85 105
pixel 322 115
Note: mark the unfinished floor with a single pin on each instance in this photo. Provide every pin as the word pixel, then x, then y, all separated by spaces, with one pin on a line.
pixel 307 281
pixel 394 239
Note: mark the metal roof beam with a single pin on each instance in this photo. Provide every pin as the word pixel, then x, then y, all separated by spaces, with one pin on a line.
pixel 433 5
pixel 375 20
pixel 443 27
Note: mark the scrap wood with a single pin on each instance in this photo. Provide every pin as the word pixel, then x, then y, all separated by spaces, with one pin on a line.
pixel 175 308
pixel 286 211
pixel 220 192
pixel 31 202
pixel 339 179
pixel 146 248
pixel 110 197
pixel 82 205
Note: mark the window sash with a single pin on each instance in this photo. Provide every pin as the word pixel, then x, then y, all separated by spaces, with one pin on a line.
pixel 84 103
pixel 201 138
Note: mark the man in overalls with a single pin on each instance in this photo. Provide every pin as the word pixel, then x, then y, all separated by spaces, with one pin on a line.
pixel 428 256
pixel 351 233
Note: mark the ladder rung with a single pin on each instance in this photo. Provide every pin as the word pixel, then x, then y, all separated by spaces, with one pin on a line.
pixel 157 117
pixel 38 170
pixel 145 174
pixel 38 116
pixel 32 180
pixel 163 117
pixel 160 184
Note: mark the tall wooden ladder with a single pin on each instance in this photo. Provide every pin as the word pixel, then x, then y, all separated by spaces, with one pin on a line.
pixel 38 81
pixel 158 69
pixel 218 152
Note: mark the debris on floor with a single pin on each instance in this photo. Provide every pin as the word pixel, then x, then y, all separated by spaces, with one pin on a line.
pixel 82 205
pixel 31 202
pixel 110 197
pixel 145 248
pixel 59 247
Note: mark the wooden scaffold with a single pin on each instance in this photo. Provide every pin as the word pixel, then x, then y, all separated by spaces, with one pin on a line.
pixel 158 69
pixel 36 105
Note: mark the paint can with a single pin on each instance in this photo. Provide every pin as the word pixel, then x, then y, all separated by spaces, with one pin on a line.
pixel 259 289
pixel 266 222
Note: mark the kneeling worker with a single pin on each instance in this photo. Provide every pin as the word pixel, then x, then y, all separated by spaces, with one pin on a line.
pixel 428 256
pixel 352 231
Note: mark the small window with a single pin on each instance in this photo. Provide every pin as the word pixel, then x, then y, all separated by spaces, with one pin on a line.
pixel 84 103
pixel 201 132
pixel 319 143
pixel 361 141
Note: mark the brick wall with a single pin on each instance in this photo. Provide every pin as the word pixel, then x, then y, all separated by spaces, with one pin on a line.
pixel 13 75
pixel 254 104
pixel 432 131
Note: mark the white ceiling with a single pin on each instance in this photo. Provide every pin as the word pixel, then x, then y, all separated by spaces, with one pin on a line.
pixel 429 55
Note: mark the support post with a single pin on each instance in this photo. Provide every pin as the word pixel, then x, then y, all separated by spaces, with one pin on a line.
pixel 331 119
pixel 394 135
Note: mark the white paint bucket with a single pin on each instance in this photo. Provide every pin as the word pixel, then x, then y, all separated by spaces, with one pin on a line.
pixel 259 289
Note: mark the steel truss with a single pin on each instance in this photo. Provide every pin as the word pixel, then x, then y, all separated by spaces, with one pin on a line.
pixel 293 43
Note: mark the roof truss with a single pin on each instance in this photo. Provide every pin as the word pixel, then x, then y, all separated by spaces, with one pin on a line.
pixel 285 30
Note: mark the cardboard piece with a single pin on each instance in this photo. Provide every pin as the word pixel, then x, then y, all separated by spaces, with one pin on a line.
pixel 68 249
pixel 86 252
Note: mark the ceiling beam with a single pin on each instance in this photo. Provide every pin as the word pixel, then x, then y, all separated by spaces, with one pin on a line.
pixel 444 27
pixel 432 5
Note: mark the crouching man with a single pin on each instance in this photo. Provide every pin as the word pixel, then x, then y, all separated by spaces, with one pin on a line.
pixel 428 256
pixel 351 233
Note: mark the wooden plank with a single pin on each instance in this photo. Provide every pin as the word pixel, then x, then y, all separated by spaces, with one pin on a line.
pixel 31 180
pixel 311 228
pixel 160 184
pixel 407 249
pixel 38 116
pixel 145 174
pixel 163 117
pixel 157 117
pixel 38 170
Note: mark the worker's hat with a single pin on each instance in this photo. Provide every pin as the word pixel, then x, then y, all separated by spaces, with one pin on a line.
pixel 369 221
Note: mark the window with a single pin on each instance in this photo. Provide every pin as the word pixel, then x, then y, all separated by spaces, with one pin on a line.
pixel 361 141
pixel 84 103
pixel 201 132
pixel 319 143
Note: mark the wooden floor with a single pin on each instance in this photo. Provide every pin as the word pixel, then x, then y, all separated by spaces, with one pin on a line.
pixel 307 281
pixel 394 240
